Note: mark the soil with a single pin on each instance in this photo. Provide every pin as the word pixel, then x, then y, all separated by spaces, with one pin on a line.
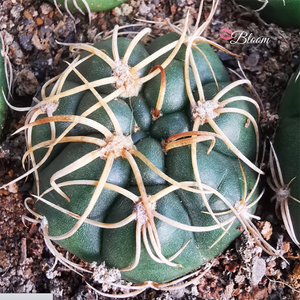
pixel 33 30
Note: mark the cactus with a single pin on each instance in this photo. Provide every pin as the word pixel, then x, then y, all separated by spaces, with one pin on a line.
pixel 89 5
pixel 5 83
pixel 285 162
pixel 86 6
pixel 285 13
pixel 145 157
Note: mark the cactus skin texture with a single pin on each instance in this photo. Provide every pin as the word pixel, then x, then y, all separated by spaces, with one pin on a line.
pixel 287 147
pixel 151 180
pixel 3 87
pixel 283 13
pixel 93 5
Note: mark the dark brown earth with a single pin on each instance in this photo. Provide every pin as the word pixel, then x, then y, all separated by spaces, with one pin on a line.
pixel 31 29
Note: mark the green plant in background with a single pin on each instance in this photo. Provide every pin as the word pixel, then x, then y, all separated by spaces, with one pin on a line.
pixel 5 83
pixel 285 13
pixel 86 6
pixel 285 160
pixel 3 91
pixel 145 157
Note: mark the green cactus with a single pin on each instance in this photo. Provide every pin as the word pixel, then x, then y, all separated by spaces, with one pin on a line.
pixel 86 6
pixel 3 91
pixel 286 165
pixel 285 13
pixel 145 157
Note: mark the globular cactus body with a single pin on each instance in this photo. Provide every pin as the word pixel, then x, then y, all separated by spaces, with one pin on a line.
pixel 87 6
pixel 287 140
pixel 285 13
pixel 145 157
pixel 3 92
